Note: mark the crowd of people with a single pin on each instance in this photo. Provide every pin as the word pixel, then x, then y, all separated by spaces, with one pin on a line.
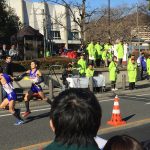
pixel 12 52
pixel 111 56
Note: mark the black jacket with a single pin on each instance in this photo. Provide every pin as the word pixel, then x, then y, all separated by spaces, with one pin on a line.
pixel 8 68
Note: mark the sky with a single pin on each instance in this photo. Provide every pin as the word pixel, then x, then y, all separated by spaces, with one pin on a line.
pixel 101 3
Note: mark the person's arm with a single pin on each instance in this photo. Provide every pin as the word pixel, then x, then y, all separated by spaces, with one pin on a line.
pixel 3 81
pixel 40 78
pixel 20 77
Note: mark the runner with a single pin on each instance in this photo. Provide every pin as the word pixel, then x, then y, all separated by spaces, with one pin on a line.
pixel 36 78
pixel 9 102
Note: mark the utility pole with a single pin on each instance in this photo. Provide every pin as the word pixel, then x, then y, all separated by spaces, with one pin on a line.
pixel 83 22
pixel 109 36
pixel 44 31
pixel 137 26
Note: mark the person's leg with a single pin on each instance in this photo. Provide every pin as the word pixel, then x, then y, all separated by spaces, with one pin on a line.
pixel 112 85
pixel 141 73
pixel 15 112
pixel 106 63
pixel 27 99
pixel 4 104
pixel 42 95
pixel 130 86
pixel 4 94
pixel 121 62
pixel 133 85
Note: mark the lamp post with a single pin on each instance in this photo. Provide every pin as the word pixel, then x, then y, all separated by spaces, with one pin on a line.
pixel 137 26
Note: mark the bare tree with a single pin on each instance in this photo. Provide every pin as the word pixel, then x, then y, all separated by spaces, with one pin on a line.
pixel 123 19
pixel 76 9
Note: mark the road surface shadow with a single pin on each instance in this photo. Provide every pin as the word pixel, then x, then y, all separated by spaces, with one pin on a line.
pixel 32 118
pixel 127 118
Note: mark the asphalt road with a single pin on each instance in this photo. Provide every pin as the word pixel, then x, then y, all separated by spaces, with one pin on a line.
pixel 134 109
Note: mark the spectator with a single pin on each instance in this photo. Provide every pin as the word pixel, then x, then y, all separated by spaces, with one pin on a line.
pixel 91 52
pixel 8 65
pixel 13 52
pixel 5 52
pixel 120 51
pixel 122 142
pixel 130 57
pixel 90 71
pixel 99 52
pixel 113 70
pixel 107 57
pixel 141 62
pixel 67 72
pixel 148 67
pixel 82 65
pixel 81 50
pixel 75 118
pixel 132 73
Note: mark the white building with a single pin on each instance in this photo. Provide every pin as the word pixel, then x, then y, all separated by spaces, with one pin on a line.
pixel 49 19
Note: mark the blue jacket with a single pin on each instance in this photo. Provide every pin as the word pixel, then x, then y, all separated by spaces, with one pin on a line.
pixel 142 62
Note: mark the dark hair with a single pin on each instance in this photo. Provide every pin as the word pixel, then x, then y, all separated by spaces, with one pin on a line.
pixel 76 116
pixel 122 142
pixel 1 69
pixel 36 63
pixel 6 56
pixel 114 57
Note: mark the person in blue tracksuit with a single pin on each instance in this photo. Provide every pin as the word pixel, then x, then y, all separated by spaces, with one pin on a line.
pixel 10 99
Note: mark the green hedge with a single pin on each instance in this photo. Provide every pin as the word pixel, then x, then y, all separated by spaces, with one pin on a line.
pixel 20 66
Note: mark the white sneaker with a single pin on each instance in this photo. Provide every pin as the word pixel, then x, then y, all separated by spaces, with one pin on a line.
pixel 112 89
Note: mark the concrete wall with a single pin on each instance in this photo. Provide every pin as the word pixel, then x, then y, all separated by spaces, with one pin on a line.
pixel 27 83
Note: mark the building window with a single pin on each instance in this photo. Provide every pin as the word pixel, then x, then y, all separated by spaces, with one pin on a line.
pixel 56 35
pixel 73 36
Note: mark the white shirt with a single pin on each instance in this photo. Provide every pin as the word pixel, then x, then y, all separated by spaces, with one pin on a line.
pixel 100 142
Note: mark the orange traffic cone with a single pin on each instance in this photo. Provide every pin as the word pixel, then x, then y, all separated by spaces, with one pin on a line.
pixel 116 118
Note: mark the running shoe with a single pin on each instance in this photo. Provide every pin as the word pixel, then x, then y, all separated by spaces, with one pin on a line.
pixel 25 114
pixel 19 122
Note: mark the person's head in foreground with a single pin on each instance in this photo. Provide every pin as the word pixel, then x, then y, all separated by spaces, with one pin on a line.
pixel 75 118
pixel 122 142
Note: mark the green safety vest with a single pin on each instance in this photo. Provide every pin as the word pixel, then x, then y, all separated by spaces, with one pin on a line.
pixel 82 66
pixel 148 65
pixel 112 71
pixel 89 73
pixel 120 50
pixel 47 53
pixel 91 50
pixel 98 49
pixel 132 72
pixel 106 55
pixel 107 47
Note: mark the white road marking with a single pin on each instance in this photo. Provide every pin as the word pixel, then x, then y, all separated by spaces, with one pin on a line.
pixel 142 94
pixel 134 97
pixel 148 103
pixel 106 100
pixel 36 110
